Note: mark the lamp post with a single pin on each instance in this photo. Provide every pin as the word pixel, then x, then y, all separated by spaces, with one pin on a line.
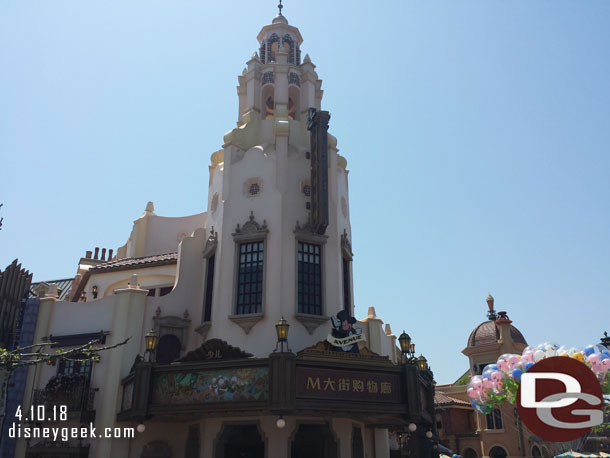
pixel 407 347
pixel 281 329
pixel 151 343
pixel 422 363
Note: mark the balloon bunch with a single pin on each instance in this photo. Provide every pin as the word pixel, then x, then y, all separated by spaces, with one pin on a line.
pixel 499 382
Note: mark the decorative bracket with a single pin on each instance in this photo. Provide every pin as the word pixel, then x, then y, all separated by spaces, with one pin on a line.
pixel 311 322
pixel 246 322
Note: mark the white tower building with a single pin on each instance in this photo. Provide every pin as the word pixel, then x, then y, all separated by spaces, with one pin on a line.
pixel 263 260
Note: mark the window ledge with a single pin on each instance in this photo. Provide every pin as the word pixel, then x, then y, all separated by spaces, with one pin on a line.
pixel 311 322
pixel 494 431
pixel 246 322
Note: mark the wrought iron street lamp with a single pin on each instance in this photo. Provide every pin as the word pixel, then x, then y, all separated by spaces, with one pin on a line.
pixel 407 347
pixel 151 343
pixel 422 363
pixel 281 329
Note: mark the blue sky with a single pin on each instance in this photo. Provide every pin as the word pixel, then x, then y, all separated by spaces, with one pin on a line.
pixel 476 132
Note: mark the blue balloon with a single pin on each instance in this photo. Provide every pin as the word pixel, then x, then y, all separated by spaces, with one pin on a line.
pixel 589 350
pixel 528 365
pixel 517 374
pixel 486 375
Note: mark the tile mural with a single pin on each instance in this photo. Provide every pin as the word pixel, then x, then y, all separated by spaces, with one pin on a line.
pixel 219 385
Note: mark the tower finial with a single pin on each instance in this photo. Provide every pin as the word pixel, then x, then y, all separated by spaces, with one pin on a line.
pixel 280 6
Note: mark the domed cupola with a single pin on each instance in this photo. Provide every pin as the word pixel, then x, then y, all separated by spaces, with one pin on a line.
pixel 280 36
pixel 490 332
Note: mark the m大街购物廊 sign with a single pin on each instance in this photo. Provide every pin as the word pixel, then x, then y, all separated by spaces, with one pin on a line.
pixel 322 383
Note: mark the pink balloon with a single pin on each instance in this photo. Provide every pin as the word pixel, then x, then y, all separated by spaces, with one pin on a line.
pixel 593 358
pixel 502 365
pixel 472 394
pixel 528 356
pixel 487 384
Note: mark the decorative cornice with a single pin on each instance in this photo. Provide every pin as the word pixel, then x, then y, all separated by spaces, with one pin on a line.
pixel 219 349
pixel 323 350
pixel 251 230
pixel 305 232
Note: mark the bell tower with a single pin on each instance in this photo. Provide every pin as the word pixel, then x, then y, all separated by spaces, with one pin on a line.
pixel 264 259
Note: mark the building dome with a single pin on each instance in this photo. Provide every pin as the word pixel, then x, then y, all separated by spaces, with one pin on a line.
pixel 488 333
pixel 279 19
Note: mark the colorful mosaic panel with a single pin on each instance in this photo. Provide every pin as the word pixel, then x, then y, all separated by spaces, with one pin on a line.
pixel 247 384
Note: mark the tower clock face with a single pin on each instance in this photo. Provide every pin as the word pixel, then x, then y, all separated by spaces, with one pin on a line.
pixel 317 123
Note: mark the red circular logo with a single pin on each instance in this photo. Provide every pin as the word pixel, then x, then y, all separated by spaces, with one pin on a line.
pixel 559 399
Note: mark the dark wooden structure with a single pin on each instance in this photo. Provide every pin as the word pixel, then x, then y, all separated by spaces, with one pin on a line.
pixel 316 382
pixel 317 124
pixel 14 286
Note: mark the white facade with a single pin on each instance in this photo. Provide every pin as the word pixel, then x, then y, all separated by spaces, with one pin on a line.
pixel 258 190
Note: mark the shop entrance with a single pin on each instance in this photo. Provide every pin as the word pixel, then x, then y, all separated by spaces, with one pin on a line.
pixel 314 441
pixel 240 441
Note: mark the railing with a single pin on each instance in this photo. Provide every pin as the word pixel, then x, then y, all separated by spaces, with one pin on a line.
pixel 77 399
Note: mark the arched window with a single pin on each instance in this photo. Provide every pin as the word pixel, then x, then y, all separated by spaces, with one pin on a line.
pixel 291 109
pixel 287 40
pixel 497 452
pixel 273 45
pixel 536 451
pixel 240 440
pixel 293 102
pixel 269 107
pixel 168 349
pixel 469 453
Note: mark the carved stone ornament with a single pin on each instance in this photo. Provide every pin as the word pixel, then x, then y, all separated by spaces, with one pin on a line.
pixel 251 230
pixel 214 349
pixel 210 243
pixel 306 233
pixel 173 325
pixel 346 246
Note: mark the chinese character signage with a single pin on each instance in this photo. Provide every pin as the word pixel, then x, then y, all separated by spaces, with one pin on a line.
pixel 347 385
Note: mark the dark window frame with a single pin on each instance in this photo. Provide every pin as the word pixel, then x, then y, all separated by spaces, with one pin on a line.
pixel 310 276
pixel 209 288
pixel 249 291
pixel 494 419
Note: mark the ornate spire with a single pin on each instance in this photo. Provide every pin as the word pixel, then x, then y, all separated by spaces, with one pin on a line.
pixel 279 7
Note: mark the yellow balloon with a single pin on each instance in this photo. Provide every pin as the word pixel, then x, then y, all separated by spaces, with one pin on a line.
pixel 579 356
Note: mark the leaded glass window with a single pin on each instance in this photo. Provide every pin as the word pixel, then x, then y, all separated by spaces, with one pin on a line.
pixel 309 278
pixel 250 278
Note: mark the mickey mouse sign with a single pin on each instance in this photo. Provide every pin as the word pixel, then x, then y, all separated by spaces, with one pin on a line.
pixel 343 336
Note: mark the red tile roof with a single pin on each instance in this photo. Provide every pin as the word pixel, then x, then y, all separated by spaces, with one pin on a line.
pixel 441 399
pixel 130 263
